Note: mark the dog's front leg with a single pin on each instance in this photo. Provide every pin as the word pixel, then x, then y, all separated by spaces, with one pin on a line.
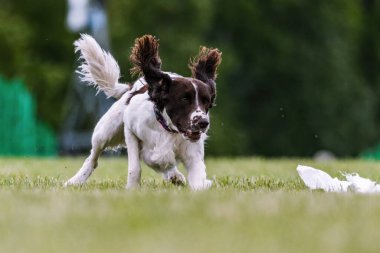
pixel 196 177
pixel 192 156
pixel 134 169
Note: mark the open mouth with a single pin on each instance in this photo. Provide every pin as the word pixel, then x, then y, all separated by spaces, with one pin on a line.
pixel 193 136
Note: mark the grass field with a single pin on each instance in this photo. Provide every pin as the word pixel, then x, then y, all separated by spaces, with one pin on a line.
pixel 255 205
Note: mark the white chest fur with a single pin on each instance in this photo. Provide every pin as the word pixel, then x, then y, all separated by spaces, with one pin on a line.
pixel 158 148
pixel 160 152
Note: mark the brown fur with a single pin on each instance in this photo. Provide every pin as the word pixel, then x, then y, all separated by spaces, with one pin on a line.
pixel 205 65
pixel 145 54
pixel 147 62
pixel 139 91
pixel 204 68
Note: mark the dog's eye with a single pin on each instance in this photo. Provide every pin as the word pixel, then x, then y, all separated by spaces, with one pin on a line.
pixel 185 99
pixel 206 101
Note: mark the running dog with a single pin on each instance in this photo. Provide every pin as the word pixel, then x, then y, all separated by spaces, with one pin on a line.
pixel 162 118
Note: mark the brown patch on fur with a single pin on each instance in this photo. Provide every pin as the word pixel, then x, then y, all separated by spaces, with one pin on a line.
pixel 205 65
pixel 139 91
pixel 146 61
pixel 180 102
pixel 204 68
pixel 145 54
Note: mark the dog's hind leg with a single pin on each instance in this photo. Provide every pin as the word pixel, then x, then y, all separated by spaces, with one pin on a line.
pixel 108 132
pixel 89 164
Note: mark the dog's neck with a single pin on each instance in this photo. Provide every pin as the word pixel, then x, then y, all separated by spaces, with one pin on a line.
pixel 163 122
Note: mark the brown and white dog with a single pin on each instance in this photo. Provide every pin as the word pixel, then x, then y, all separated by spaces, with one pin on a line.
pixel 163 118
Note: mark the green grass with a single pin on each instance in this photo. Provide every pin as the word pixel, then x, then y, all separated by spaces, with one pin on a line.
pixel 255 205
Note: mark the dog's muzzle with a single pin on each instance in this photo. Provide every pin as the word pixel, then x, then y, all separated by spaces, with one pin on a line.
pixel 199 125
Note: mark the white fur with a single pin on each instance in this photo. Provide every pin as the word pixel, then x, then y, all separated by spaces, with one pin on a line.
pixel 198 113
pixel 136 126
pixel 99 68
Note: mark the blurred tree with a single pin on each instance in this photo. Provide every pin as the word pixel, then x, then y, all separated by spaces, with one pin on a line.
pixel 297 76
pixel 182 26
pixel 296 83
pixel 36 47
pixel 369 54
pixel 84 106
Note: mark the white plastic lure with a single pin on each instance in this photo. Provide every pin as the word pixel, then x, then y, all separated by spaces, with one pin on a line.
pixel 318 179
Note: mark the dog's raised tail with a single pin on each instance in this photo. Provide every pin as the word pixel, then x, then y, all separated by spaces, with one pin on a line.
pixel 99 68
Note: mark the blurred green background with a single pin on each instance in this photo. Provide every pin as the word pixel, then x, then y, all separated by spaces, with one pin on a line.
pixel 297 76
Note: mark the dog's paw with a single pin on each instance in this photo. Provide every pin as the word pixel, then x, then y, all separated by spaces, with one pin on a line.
pixel 73 181
pixel 178 179
pixel 68 183
pixel 201 185
pixel 175 177
pixel 131 187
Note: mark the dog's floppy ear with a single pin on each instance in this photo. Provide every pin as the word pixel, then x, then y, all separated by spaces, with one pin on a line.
pixel 146 61
pixel 204 67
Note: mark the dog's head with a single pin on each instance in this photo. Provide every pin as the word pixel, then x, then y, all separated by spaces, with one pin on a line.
pixel 186 100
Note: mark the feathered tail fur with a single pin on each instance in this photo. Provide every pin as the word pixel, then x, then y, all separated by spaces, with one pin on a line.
pixel 99 68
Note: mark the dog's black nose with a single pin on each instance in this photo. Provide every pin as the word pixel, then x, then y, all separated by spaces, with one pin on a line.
pixel 203 124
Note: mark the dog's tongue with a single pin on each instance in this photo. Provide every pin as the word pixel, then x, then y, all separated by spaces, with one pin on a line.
pixel 193 135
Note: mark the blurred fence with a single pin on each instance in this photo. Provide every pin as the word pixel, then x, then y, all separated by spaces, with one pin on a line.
pixel 20 132
pixel 371 153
